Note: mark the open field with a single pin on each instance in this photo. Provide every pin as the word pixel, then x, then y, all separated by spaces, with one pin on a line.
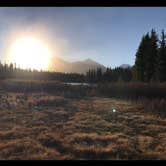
pixel 49 126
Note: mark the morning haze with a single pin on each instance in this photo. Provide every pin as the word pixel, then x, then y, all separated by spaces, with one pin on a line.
pixel 108 35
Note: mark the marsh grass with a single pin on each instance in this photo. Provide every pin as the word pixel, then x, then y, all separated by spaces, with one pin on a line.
pixel 133 90
pixel 42 125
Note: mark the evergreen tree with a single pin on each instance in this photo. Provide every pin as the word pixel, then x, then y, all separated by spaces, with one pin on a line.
pixel 151 53
pixel 140 58
pixel 99 74
pixel 162 58
pixel 147 57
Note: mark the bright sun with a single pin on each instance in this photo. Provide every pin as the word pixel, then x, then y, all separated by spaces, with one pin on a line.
pixel 29 53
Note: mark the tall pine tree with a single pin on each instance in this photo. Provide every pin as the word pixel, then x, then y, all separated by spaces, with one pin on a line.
pixel 146 57
pixel 162 58
pixel 140 59
pixel 151 57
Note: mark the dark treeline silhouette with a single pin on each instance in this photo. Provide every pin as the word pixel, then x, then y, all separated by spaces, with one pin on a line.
pixel 92 76
pixel 150 63
pixel 12 71
pixel 110 75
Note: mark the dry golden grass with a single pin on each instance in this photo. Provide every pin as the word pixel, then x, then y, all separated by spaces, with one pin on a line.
pixel 44 126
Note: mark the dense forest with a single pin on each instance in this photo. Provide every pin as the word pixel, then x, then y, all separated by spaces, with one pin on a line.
pixel 92 76
pixel 150 65
pixel 12 71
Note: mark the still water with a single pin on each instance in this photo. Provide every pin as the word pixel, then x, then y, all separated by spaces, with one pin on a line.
pixel 80 83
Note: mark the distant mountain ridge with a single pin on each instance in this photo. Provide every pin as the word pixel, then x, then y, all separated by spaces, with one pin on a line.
pixel 60 65
pixel 124 66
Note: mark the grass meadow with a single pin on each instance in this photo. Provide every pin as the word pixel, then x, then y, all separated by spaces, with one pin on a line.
pixel 50 120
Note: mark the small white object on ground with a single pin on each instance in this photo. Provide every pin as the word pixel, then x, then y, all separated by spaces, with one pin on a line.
pixel 113 110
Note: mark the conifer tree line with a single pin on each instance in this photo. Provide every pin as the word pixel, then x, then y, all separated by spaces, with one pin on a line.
pixel 92 76
pixel 110 75
pixel 150 63
pixel 13 71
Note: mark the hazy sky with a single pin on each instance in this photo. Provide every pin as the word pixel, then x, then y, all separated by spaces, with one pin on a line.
pixel 109 35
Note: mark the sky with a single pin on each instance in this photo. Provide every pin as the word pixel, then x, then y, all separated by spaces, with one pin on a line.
pixel 108 35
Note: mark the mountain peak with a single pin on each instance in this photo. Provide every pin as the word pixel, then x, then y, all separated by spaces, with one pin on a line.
pixel 88 60
pixel 124 66
pixel 77 67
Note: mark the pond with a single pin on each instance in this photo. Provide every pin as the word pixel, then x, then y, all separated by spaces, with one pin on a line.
pixel 80 83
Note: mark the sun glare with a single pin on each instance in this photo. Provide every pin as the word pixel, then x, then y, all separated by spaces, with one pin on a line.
pixel 29 53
